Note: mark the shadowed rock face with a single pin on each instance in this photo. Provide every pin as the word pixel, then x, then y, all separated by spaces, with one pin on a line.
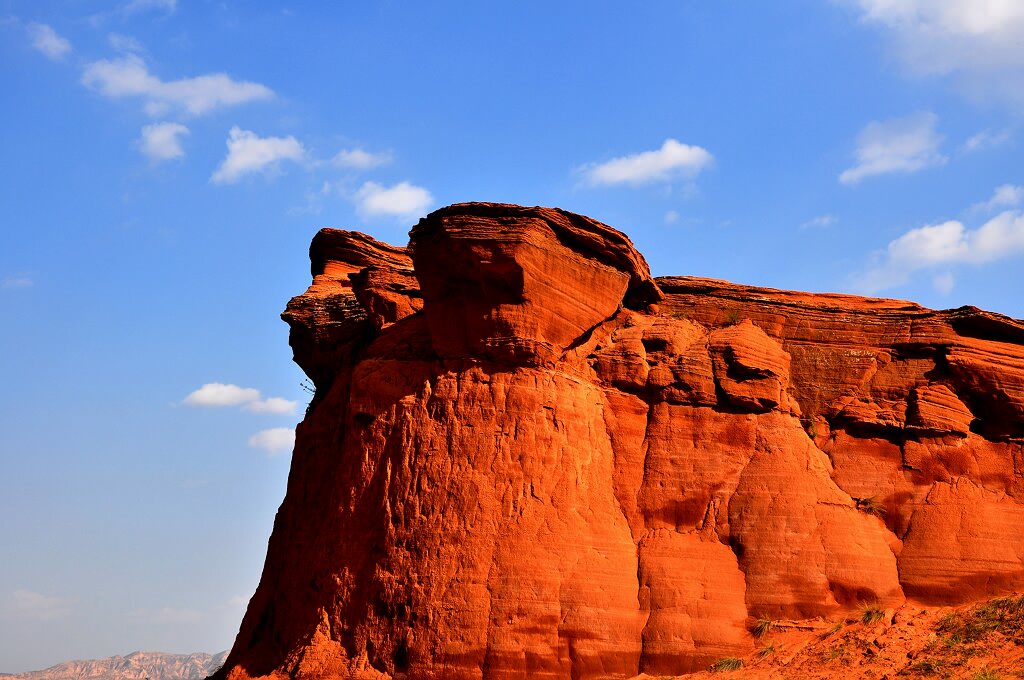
pixel 528 458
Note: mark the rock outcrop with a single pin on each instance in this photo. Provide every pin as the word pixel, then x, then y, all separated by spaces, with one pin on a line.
pixel 528 458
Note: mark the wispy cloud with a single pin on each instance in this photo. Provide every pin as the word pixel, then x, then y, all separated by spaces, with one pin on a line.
pixel 985 140
pixel 128 76
pixel 249 154
pixel 274 441
pixel 162 141
pixel 1005 196
pixel 976 42
pixel 359 159
pixel 944 244
pixel 672 161
pixel 46 40
pixel 173 616
pixel 134 6
pixel 901 145
pixel 819 222
pixel 400 200
pixel 19 281
pixel 221 395
pixel 944 283
pixel 168 616
pixel 124 43
pixel 33 605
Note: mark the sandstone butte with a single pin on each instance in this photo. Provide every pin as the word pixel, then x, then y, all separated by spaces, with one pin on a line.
pixel 527 458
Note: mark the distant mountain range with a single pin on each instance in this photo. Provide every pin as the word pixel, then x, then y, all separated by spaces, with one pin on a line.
pixel 134 666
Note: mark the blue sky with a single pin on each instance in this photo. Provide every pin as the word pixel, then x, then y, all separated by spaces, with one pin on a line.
pixel 166 162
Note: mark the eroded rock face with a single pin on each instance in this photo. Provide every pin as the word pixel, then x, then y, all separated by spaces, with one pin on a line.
pixel 528 458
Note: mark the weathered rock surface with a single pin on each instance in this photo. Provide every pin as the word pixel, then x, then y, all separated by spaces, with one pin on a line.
pixel 528 458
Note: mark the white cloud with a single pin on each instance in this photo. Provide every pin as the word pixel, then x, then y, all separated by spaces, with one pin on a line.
pixel 272 405
pixel 671 217
pixel 900 145
pixel 133 6
pixel 986 139
pixel 128 76
pixel 360 159
pixel 20 281
pixel 46 40
pixel 944 283
pixel 672 160
pixel 124 43
pixel 978 42
pixel 928 245
pixel 274 441
pixel 160 141
pixel 401 200
pixel 1005 196
pixel 819 221
pixel 944 244
pixel 220 394
pixel 951 17
pixel 32 605
pixel 248 153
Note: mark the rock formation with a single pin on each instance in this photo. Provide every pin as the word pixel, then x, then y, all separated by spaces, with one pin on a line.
pixel 528 458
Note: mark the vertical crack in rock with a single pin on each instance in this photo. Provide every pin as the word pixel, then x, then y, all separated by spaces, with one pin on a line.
pixel 527 457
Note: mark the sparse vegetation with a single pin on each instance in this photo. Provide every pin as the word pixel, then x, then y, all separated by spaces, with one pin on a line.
pixel 762 626
pixel 1004 615
pixel 767 649
pixel 986 675
pixel 836 627
pixel 731 318
pixel 309 388
pixel 729 663
pixel 871 613
pixel 963 635
pixel 926 667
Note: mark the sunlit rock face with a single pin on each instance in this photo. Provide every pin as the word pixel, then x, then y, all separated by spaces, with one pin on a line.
pixel 528 458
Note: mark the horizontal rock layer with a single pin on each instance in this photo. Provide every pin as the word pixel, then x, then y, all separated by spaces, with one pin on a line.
pixel 528 458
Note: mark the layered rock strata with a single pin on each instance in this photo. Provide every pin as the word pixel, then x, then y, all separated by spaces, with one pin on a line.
pixel 528 458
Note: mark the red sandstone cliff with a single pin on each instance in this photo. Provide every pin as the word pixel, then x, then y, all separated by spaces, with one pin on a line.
pixel 528 458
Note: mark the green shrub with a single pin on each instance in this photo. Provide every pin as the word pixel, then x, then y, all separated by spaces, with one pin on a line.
pixel 762 626
pixel 729 663
pixel 871 613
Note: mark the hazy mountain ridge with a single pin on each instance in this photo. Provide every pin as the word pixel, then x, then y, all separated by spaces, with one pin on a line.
pixel 134 666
